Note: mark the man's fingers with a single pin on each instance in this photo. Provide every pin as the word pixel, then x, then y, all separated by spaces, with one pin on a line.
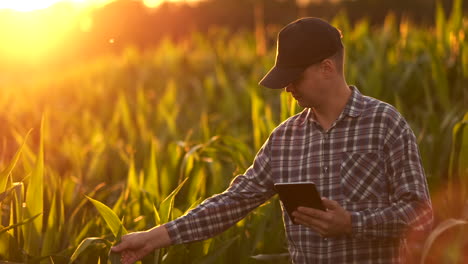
pixel 132 258
pixel 311 212
pixel 335 220
pixel 128 257
pixel 311 221
pixel 137 255
pixel 330 204
pixel 122 245
pixel 119 248
pixel 313 227
pixel 133 255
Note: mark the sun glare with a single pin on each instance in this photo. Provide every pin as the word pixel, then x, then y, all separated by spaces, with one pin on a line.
pixel 32 5
pixel 27 5
pixel 32 29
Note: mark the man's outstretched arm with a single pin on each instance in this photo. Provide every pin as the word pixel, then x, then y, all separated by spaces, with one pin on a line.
pixel 210 218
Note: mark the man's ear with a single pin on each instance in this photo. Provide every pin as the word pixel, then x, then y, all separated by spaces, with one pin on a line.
pixel 328 68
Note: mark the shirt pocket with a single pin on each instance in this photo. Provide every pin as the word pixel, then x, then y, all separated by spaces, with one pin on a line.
pixel 362 176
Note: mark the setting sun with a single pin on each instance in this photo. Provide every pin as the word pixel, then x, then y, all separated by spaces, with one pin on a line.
pixel 27 5
pixel 34 30
pixel 31 29
pixel 32 5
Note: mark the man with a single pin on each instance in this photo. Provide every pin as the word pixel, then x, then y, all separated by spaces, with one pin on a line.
pixel 359 151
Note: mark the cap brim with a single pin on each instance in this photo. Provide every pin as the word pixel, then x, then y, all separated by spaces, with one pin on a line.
pixel 278 78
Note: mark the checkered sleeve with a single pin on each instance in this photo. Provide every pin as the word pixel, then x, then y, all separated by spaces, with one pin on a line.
pixel 409 196
pixel 219 212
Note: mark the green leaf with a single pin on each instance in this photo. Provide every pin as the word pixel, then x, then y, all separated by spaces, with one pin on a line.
pixel 114 257
pixel 6 172
pixel 113 222
pixel 78 208
pixel 16 211
pixel 459 154
pixel 132 179
pixel 157 219
pixel 9 248
pixel 35 200
pixel 456 15
pixel 4 229
pixel 85 244
pixel 152 179
pixel 168 108
pixel 52 233
pixel 118 238
pixel 6 193
pixel 126 117
pixel 166 207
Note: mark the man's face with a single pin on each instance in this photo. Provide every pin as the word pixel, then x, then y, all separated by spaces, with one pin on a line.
pixel 307 89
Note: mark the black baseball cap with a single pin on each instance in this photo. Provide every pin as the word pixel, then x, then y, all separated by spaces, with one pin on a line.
pixel 300 44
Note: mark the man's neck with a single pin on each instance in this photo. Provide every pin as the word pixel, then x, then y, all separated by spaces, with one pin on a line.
pixel 328 112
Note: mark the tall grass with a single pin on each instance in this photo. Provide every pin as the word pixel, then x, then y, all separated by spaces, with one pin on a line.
pixel 132 141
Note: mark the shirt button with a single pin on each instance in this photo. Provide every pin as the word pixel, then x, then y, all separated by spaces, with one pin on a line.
pixel 325 169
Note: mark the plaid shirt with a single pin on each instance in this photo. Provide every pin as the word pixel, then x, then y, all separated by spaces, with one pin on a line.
pixel 368 162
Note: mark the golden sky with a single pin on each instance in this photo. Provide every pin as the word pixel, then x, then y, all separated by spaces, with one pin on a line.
pixel 31 5
pixel 31 30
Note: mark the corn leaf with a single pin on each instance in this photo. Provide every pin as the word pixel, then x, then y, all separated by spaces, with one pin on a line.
pixel 27 221
pixel 7 193
pixel 6 172
pixel 459 155
pixel 167 206
pixel 157 219
pixel 51 236
pixel 35 200
pixel 112 256
pixel 111 219
pixel 85 244
pixel 152 179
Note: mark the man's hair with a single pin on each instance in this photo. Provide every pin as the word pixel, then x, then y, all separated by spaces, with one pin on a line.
pixel 338 58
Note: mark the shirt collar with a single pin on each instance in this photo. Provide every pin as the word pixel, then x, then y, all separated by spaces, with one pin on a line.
pixel 355 104
pixel 353 107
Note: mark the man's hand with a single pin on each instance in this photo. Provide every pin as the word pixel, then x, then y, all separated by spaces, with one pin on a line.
pixel 135 246
pixel 334 222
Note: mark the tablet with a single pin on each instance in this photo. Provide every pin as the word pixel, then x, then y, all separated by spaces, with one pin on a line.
pixel 295 194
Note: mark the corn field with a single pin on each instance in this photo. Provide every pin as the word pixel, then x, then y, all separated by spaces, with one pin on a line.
pixel 126 142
